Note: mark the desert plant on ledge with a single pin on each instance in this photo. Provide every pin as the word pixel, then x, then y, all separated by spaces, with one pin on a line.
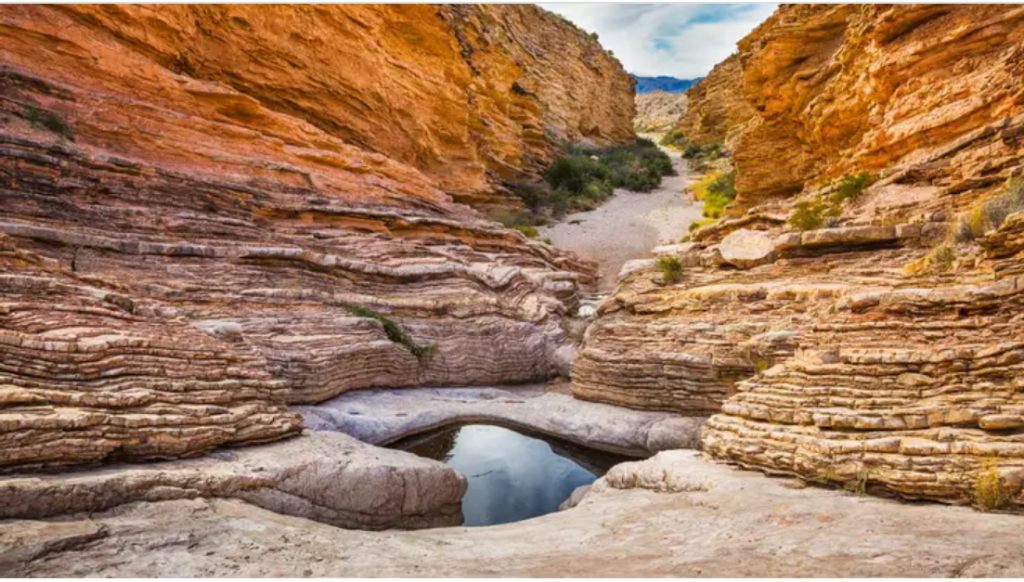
pixel 671 269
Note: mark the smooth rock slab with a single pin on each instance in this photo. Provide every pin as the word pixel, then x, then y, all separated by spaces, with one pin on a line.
pixel 747 249
pixel 673 515
pixel 383 416
pixel 327 477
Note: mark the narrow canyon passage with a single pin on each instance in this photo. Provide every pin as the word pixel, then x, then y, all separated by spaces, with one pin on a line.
pixel 629 224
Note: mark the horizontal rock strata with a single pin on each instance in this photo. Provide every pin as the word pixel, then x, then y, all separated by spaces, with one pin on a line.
pixel 327 477
pixel 639 520
pixel 209 213
pixel 717 111
pixel 383 416
pixel 879 347
pixel 844 88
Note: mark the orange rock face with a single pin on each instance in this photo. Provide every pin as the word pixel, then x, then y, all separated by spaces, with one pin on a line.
pixel 718 111
pixel 846 88
pixel 212 211
pixel 880 347
pixel 472 95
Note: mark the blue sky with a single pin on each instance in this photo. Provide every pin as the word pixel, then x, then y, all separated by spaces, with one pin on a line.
pixel 678 40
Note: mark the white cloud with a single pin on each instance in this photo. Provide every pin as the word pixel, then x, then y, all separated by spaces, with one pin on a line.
pixel 678 40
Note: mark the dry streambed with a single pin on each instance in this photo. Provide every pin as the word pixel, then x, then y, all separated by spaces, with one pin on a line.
pixel 629 224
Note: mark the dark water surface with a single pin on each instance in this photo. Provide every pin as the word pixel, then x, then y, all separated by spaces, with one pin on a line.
pixel 511 476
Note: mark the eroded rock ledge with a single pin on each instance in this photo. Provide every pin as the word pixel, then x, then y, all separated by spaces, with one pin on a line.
pixel 673 515
pixel 323 476
pixel 383 416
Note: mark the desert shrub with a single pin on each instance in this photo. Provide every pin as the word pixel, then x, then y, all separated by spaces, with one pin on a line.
pixel 989 492
pixel 671 269
pixel 395 332
pixel 850 187
pixel 941 258
pixel 990 214
pixel 673 139
pixel 699 224
pixel 49 121
pixel 716 190
pixel 529 231
pixel 586 176
pixel 813 214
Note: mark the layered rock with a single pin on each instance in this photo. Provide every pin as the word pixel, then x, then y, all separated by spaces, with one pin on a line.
pixel 862 352
pixel 674 516
pixel 211 212
pixel 717 110
pixel 845 88
pixel 471 95
pixel 323 476
pixel 659 111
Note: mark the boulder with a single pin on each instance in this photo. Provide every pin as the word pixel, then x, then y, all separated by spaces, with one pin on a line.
pixel 747 249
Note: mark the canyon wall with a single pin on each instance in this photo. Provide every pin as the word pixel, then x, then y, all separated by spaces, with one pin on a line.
pixel 880 350
pixel 718 112
pixel 210 212
pixel 845 88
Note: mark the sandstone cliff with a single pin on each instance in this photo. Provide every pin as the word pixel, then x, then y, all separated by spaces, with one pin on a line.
pixel 212 211
pixel 880 352
pixel 718 111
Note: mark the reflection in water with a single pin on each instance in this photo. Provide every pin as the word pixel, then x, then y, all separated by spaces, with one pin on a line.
pixel 511 476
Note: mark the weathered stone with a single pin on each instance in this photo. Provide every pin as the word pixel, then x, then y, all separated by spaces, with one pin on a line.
pixel 644 521
pixel 848 236
pixel 384 416
pixel 324 476
pixel 747 249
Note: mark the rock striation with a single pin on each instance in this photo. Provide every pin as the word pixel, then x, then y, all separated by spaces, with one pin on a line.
pixel 717 111
pixel 212 212
pixel 932 89
pixel 880 349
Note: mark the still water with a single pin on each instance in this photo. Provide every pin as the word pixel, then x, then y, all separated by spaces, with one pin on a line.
pixel 511 476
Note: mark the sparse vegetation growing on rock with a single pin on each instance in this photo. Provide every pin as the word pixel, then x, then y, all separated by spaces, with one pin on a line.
pixel 850 187
pixel 395 332
pixel 989 493
pixel 529 231
pixel 813 214
pixel 990 214
pixel 716 190
pixel 671 269
pixel 50 121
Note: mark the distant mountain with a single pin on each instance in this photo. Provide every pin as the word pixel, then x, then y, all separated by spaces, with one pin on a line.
pixel 666 84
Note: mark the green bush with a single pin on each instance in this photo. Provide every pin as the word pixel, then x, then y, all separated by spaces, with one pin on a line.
pixel 673 139
pixel 850 186
pixel 671 269
pixel 813 214
pixel 529 231
pixel 716 190
pixel 586 176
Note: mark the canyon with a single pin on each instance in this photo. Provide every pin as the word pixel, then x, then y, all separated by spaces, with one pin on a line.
pixel 243 248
